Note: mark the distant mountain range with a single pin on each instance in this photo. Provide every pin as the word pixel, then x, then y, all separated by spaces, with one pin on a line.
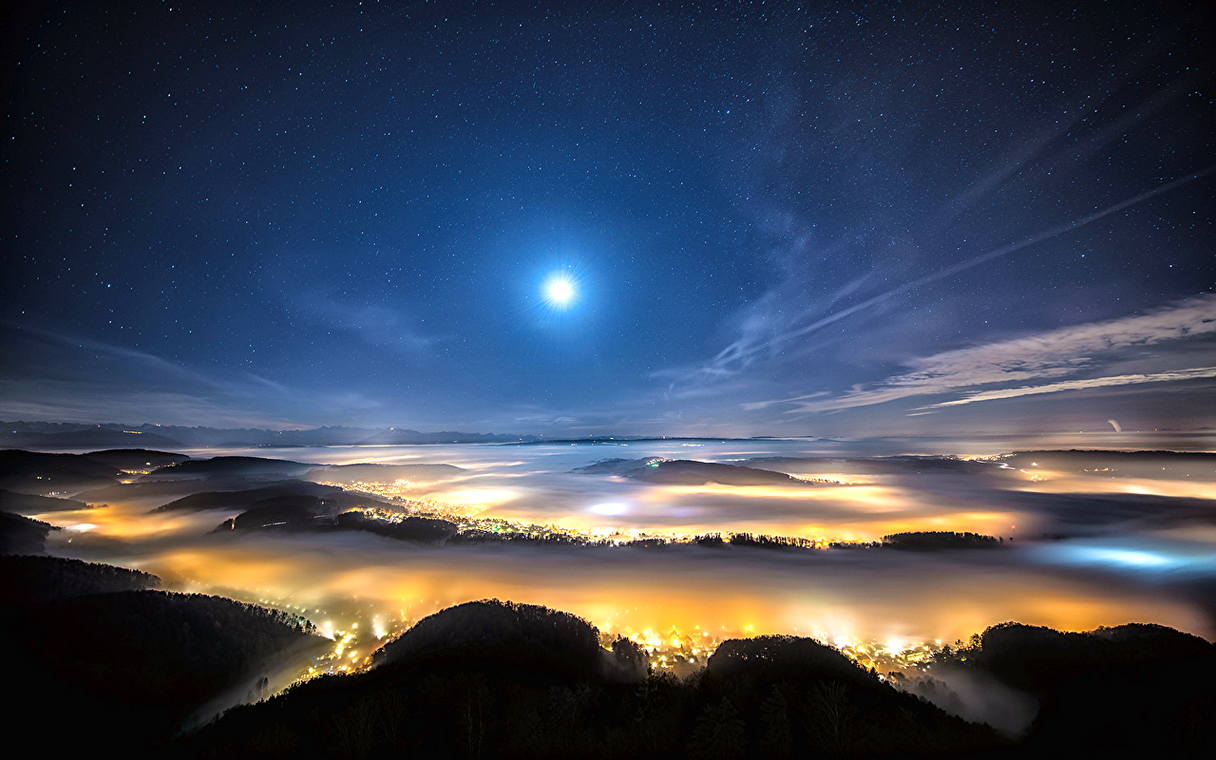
pixel 69 435
pixel 49 436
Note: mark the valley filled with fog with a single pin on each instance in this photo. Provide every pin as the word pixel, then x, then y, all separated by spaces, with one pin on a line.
pixel 637 538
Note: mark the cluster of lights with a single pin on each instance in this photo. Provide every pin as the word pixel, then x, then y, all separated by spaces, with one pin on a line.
pixel 675 651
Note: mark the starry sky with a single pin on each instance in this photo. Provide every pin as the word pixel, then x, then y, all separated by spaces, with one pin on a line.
pixel 820 219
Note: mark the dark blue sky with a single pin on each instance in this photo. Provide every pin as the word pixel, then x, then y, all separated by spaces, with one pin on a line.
pixel 870 219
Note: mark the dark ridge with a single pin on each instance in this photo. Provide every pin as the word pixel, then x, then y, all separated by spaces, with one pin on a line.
pixel 1082 513
pixel 231 466
pixel 244 498
pixel 11 501
pixel 36 579
pixel 135 459
pixel 1130 690
pixel 21 535
pixel 931 540
pixel 536 640
pixel 278 513
pixel 148 489
pixel 303 513
pixel 495 679
pixel 52 474
pixel 610 440
pixel 782 657
pixel 85 438
pixel 889 465
pixel 1116 464
pixel 68 435
pixel 771 695
pixel 377 473
pixel 689 472
pixel 125 669
pixel 427 530
pixel 1199 456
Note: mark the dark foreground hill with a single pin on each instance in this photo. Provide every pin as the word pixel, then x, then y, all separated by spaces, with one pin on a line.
pixel 1131 690
pixel 493 679
pixel 32 579
pixel 21 535
pixel 98 664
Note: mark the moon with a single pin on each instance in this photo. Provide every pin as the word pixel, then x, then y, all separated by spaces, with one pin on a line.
pixel 559 291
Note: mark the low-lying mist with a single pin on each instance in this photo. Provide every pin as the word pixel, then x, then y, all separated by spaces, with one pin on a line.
pixel 1087 541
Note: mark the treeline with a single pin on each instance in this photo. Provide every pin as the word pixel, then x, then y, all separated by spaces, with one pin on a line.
pixel 91 646
pixel 493 679
pixel 23 535
pixel 30 579
pixel 301 513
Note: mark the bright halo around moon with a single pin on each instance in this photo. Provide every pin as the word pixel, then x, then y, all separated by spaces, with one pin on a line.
pixel 560 291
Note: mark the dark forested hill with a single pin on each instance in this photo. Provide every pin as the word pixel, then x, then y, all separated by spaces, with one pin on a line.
pixel 122 667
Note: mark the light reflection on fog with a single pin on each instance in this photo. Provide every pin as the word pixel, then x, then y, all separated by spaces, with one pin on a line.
pixel 1079 583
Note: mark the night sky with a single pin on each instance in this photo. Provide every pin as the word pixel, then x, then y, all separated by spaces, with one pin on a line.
pixel 828 220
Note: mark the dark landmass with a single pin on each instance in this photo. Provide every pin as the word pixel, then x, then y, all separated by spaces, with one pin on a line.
pixel 383 473
pixel 246 467
pixel 44 474
pixel 324 499
pixel 158 489
pixel 39 579
pixel 427 530
pixel 307 513
pixel 130 666
pixel 82 437
pixel 689 472
pixel 619 440
pixel 1131 690
pixel 136 459
pixel 889 465
pixel 11 501
pixel 934 540
pixel 503 680
pixel 53 474
pixel 1079 514
pixel 280 513
pixel 21 535
pixel 68 435
pixel 126 669
pixel 1115 464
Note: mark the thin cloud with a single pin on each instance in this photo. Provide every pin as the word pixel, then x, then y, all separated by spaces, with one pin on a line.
pixel 1053 354
pixel 56 376
pixel 1197 373
pixel 376 324
pixel 754 343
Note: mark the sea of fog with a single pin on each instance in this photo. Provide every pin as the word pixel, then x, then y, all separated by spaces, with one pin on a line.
pixel 1085 545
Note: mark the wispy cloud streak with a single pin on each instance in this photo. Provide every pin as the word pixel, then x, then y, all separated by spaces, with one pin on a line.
pixel 739 354
pixel 1052 354
pixel 1197 373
